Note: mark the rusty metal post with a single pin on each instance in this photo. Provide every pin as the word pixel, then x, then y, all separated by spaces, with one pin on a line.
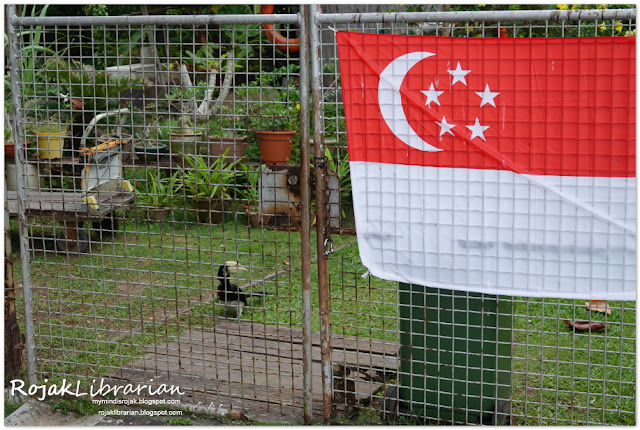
pixel 22 222
pixel 305 216
pixel 321 213
pixel 12 342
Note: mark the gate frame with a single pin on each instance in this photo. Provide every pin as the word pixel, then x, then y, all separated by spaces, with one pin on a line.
pixel 316 85
pixel 299 19
pixel 309 20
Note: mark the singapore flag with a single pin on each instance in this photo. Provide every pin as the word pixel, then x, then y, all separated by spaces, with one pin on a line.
pixel 494 165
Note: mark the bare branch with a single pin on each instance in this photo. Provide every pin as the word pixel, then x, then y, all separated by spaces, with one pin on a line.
pixel 204 110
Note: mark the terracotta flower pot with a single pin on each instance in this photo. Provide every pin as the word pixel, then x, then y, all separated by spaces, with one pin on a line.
pixel 275 146
pixel 184 145
pixel 217 146
pixel 210 211
pixel 253 216
pixel 158 214
pixel 9 150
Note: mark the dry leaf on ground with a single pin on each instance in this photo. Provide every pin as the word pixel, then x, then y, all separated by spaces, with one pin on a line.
pixel 585 325
pixel 598 306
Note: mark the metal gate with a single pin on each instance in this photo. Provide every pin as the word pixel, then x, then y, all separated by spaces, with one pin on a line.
pixel 127 222
pixel 468 358
pixel 158 184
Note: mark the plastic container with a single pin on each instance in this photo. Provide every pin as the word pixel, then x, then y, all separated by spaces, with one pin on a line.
pixel 32 178
pixel 50 144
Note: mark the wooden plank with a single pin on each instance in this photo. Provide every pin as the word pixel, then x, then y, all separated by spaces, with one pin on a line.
pixel 289 362
pixel 238 388
pixel 342 342
pixel 263 403
pixel 67 206
pixel 258 377
pixel 257 345
pixel 62 161
pixel 277 375
pixel 36 197
pixel 355 358
pixel 259 336
pixel 259 368
pixel 229 395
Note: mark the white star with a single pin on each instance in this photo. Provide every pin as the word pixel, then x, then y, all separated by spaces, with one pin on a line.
pixel 459 74
pixel 477 130
pixel 445 127
pixel 432 95
pixel 487 96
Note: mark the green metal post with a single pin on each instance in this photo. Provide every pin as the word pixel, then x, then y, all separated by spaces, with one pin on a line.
pixel 455 353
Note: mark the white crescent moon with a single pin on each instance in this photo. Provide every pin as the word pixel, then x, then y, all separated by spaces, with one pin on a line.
pixel 390 99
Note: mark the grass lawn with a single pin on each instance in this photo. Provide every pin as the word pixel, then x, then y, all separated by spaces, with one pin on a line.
pixel 565 377
pixel 153 281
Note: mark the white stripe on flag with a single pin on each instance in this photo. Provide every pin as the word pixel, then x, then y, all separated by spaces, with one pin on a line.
pixel 497 232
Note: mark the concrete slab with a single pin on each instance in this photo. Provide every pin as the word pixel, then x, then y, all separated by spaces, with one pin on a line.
pixel 40 414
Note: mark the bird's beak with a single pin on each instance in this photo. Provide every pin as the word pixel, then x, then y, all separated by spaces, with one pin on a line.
pixel 234 267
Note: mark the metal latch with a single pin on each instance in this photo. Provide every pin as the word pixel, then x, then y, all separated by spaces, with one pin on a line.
pixel 328 246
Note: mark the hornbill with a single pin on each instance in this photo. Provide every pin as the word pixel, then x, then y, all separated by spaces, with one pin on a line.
pixel 230 294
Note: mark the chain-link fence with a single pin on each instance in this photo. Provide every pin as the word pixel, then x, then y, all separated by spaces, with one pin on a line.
pixel 141 197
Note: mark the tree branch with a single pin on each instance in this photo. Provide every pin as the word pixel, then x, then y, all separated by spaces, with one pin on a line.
pixel 205 111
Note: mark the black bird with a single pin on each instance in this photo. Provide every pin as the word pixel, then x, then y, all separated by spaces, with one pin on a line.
pixel 230 294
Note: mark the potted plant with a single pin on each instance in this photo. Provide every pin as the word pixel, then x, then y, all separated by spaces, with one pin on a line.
pixel 90 92
pixel 222 138
pixel 48 116
pixel 209 185
pixel 32 178
pixel 184 140
pixel 9 146
pixel 157 194
pixel 50 138
pixel 274 115
pixel 252 193
pixel 203 61
pixel 185 137
pixel 276 141
pixel 188 107
pixel 148 149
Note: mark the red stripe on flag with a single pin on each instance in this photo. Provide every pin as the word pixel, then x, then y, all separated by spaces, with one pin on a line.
pixel 543 106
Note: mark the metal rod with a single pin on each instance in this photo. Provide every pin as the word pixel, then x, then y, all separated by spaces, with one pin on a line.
pixel 305 216
pixel 477 16
pixel 20 155
pixel 97 119
pixel 321 213
pixel 158 20
pixel 12 341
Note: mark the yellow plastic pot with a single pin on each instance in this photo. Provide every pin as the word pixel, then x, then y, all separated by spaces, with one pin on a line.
pixel 50 144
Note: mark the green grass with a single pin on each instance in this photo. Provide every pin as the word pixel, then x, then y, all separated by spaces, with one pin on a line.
pixel 80 407
pixel 153 281
pixel 157 279
pixel 179 421
pixel 573 377
pixel 10 408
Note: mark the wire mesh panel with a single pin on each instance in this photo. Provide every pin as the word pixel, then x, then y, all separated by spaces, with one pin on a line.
pixel 163 246
pixel 144 196
pixel 428 355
